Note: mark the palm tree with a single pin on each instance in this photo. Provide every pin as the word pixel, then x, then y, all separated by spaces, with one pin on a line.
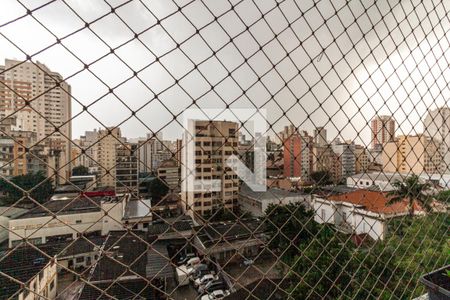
pixel 412 189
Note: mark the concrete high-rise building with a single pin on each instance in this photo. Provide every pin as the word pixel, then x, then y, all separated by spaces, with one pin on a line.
pixel 41 101
pixel 127 175
pixel 87 142
pixel 320 136
pixel 287 132
pixel 212 144
pixel 298 155
pixel 324 159
pixel 415 154
pixel 362 159
pixel 108 140
pixel 169 172
pixel 152 151
pixel 346 154
pixel 437 126
pixel 383 130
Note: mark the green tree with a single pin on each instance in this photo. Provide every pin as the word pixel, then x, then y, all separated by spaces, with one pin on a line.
pixel 157 189
pixel 412 189
pixel 321 178
pixel 323 268
pixel 288 225
pixel 39 186
pixel 80 171
pixel 443 196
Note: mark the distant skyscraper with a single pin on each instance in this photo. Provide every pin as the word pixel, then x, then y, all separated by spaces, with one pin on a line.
pixel 437 125
pixel 320 136
pixel 346 154
pixel 298 155
pixel 383 130
pixel 41 101
pixel 213 143
pixel 108 140
pixel 127 169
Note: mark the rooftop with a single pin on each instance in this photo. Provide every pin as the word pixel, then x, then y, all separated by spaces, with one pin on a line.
pixel 138 209
pixel 184 223
pixel 122 249
pixel 12 212
pixel 214 233
pixel 269 195
pixel 22 263
pixel 373 201
pixel 66 207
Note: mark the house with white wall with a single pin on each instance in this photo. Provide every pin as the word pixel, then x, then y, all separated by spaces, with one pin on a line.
pixel 67 219
pixel 256 203
pixel 359 212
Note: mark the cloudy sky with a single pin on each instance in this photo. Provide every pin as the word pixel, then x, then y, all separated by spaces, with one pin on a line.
pixel 309 63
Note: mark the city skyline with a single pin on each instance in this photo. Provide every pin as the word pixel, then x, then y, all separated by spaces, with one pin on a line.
pixel 376 79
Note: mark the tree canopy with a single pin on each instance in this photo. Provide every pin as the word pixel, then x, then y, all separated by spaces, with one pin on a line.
pixel 80 171
pixel 321 178
pixel 37 184
pixel 412 189
pixel 157 189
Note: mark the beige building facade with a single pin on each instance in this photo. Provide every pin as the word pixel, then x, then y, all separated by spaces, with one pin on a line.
pixel 40 100
pixel 412 154
pixel 213 143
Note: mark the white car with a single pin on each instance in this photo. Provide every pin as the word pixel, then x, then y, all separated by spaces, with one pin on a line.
pixel 219 294
pixel 204 280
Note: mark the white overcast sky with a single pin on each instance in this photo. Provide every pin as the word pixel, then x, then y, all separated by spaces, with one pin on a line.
pixel 364 43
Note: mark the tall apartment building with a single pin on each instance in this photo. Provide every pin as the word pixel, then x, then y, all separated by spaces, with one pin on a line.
pixel 169 172
pixel 108 140
pixel 212 144
pixel 49 96
pixel 346 154
pixel 324 159
pixel 87 143
pixel 287 132
pixel 320 136
pixel 437 126
pixel 362 159
pixel 298 155
pixel 127 175
pixel 383 130
pixel 415 154
pixel 152 152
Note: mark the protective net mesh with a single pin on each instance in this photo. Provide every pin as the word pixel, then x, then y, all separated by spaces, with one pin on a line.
pixel 337 111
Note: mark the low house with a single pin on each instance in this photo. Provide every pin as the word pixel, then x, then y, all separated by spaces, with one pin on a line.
pixel 66 219
pixel 6 214
pixel 230 241
pixel 30 266
pixel 359 212
pixel 256 203
pixel 129 267
pixel 138 214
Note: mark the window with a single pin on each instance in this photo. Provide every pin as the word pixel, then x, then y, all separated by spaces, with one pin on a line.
pixel 52 285
pixel 322 213
pixel 344 216
pixel 79 259
pixel 78 222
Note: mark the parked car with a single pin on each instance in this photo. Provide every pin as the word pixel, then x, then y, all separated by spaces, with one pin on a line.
pixel 194 268
pixel 192 262
pixel 184 258
pixel 204 280
pixel 212 286
pixel 248 262
pixel 199 271
pixel 217 294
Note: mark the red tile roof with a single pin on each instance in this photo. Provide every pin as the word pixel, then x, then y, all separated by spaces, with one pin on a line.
pixel 374 201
